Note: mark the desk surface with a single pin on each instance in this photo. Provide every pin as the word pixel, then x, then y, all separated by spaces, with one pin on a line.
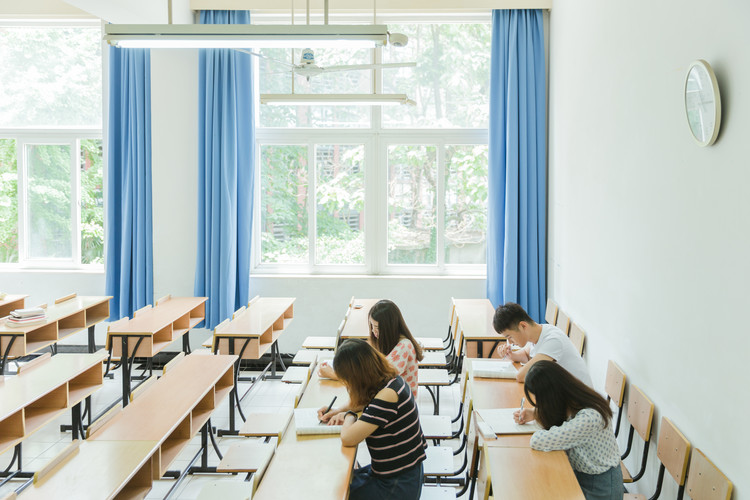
pixel 21 390
pixel 475 319
pixel 100 469
pixel 494 392
pixel 55 312
pixel 257 318
pixel 178 390
pixel 154 319
pixel 12 299
pixel 520 472
pixel 320 465
pixel 356 326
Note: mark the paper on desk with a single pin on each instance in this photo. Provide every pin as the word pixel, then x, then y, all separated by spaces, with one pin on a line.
pixel 306 421
pixel 501 421
pixel 493 368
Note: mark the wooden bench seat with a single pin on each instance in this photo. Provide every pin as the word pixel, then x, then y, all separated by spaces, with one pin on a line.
pixel 227 490
pixel 252 456
pixel 266 424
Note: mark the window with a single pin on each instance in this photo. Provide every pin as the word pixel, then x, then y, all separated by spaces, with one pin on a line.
pixel 51 193
pixel 378 190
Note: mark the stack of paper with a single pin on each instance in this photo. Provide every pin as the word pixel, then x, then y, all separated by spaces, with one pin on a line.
pixel 306 421
pixel 492 368
pixel 25 317
pixel 501 421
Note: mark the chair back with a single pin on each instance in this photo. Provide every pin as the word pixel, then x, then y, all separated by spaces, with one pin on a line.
pixel 141 310
pixel 563 322
pixel 673 450
pixel 550 315
pixel 578 337
pixel 640 412
pixel 614 385
pixel 705 481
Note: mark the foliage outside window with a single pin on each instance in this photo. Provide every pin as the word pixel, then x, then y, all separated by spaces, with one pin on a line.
pixel 423 208
pixel 51 192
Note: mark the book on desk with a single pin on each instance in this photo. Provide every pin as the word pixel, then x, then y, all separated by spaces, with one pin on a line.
pixel 485 368
pixel 306 421
pixel 501 421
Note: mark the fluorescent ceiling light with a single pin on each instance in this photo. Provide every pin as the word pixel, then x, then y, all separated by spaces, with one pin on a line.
pixel 234 36
pixel 335 99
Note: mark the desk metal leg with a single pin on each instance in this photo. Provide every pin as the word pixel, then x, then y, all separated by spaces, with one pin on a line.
pixel 186 342
pixel 480 348
pixel 125 371
pixel 76 421
pixel 92 340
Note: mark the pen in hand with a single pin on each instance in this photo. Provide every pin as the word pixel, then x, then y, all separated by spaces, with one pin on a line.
pixel 329 407
pixel 520 412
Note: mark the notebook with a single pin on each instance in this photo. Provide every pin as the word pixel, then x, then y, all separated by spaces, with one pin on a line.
pixel 501 421
pixel 306 421
pixel 486 368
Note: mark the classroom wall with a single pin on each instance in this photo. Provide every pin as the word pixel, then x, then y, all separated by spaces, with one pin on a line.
pixel 648 232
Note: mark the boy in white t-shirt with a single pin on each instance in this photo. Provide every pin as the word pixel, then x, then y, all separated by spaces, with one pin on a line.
pixel 539 341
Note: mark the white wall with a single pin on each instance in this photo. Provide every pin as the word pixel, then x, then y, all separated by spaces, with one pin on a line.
pixel 648 232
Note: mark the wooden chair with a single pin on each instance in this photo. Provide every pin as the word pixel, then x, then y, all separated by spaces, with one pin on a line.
pixel 640 416
pixel 550 315
pixel 301 390
pixel 161 300
pixel 437 344
pixel 141 310
pixel 267 425
pixel 238 312
pixel 325 343
pixel 578 337
pixel 673 451
pixel 563 322
pixel 614 386
pixel 705 481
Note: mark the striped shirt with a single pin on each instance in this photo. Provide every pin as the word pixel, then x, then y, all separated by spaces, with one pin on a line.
pixel 398 443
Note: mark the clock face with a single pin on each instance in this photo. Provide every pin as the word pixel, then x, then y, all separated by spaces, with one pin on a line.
pixel 702 103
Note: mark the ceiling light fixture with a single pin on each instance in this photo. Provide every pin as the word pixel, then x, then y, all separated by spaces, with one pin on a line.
pixel 335 99
pixel 213 36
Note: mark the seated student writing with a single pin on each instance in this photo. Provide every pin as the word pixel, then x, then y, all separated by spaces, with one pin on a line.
pixel 389 335
pixel 578 420
pixel 389 423
pixel 541 342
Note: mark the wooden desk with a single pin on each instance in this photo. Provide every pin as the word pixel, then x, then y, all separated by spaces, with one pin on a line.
pixel 493 392
pixel 152 330
pixel 257 329
pixel 32 399
pixel 100 469
pixel 475 320
pixel 63 319
pixel 11 303
pixel 520 472
pixel 357 326
pixel 310 466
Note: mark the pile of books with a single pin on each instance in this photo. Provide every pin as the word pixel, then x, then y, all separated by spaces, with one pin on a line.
pixel 26 317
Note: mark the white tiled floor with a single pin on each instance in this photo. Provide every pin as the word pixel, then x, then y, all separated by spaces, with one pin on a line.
pixel 269 395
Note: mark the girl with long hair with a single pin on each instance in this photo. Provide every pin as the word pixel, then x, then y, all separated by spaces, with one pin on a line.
pixel 575 418
pixel 390 335
pixel 389 423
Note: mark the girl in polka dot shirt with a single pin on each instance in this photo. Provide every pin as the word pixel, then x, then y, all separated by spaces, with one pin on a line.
pixel 575 418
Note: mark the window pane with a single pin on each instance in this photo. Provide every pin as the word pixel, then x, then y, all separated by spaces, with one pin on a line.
pixel 283 196
pixel 49 201
pixel 276 78
pixel 340 204
pixel 55 77
pixel 451 81
pixel 412 172
pixel 92 202
pixel 8 201
pixel 466 204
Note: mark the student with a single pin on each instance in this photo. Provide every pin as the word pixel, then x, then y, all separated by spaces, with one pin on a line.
pixel 389 423
pixel 390 335
pixel 578 420
pixel 540 342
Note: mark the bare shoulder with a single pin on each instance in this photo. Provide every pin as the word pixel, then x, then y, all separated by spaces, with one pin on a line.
pixel 387 394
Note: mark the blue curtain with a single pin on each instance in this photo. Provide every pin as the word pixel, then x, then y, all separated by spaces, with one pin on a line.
pixel 225 174
pixel 129 264
pixel 516 233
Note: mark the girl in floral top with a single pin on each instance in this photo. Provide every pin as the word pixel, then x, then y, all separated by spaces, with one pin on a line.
pixel 575 418
pixel 389 335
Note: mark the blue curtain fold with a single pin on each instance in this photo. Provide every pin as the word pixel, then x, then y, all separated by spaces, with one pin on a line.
pixel 517 212
pixel 129 257
pixel 226 174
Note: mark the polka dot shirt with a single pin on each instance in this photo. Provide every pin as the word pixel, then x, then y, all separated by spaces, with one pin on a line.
pixel 591 447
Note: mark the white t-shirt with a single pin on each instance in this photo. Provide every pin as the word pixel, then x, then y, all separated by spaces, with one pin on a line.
pixel 555 344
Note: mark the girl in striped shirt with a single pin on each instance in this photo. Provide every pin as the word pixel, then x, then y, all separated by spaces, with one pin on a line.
pixel 389 423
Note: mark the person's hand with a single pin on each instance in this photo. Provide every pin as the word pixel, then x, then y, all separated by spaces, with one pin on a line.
pixel 325 370
pixel 337 419
pixel 503 350
pixel 524 416
pixel 326 417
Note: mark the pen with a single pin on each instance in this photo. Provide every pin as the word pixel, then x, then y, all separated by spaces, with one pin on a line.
pixel 521 411
pixel 329 407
